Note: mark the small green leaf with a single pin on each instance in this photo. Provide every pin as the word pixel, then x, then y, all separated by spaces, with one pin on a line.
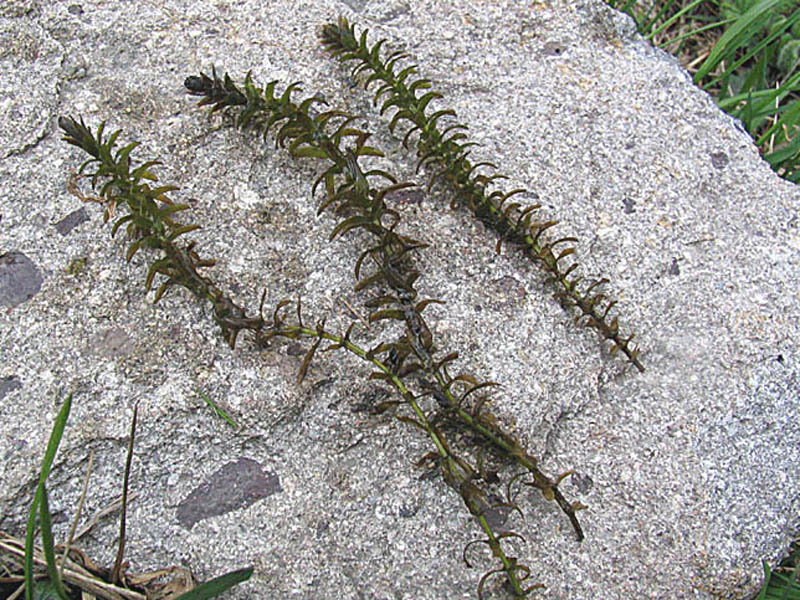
pixel 133 249
pixel 402 75
pixel 368 151
pixel 220 413
pixel 162 289
pixel 49 456
pixel 123 153
pixel 425 99
pixel 391 101
pixel 410 421
pixel 348 224
pixel 309 152
pixel 161 190
pixel 301 374
pixel 112 139
pixel 379 349
pixel 181 230
pixel 218 585
pixel 424 303
pixel 367 281
pixel 119 222
pixel 399 116
pixel 143 172
pixel 389 313
pixel 420 84
pixel 159 266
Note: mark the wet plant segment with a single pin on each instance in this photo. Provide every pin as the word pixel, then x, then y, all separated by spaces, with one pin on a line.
pixel 351 194
pixel 150 220
pixel 443 145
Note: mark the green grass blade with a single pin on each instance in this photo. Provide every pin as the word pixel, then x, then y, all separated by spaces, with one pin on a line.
pixel 789 153
pixel 49 456
pixel 767 99
pixel 782 588
pixel 735 36
pixel 627 8
pixel 762 595
pixel 790 115
pixel 29 533
pixel 731 103
pixel 649 22
pixel 762 47
pixel 748 122
pixel 220 413
pixel 688 34
pixel 668 23
pixel 55 438
pixel 48 545
pixel 45 590
pixel 793 584
pixel 779 587
pixel 757 79
pixel 216 586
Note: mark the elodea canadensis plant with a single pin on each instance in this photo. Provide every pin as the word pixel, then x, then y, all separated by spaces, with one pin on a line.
pixel 351 193
pixel 442 144
pixel 410 364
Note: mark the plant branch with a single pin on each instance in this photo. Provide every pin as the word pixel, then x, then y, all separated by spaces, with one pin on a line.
pixel 350 192
pixel 447 150
pixel 150 224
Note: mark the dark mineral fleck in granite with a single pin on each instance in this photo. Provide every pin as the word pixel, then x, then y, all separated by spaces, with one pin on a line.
pixel 71 221
pixel 236 485
pixel 8 385
pixel 719 160
pixel 20 279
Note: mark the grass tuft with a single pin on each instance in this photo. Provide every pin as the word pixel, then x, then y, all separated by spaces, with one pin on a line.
pixel 746 54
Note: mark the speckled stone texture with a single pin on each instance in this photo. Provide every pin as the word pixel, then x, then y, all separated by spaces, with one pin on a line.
pixel 690 470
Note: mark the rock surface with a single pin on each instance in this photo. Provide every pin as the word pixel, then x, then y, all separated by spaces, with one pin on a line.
pixel 690 470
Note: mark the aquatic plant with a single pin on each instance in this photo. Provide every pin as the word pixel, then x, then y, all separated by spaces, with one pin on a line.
pixel 447 149
pixel 350 191
pixel 150 217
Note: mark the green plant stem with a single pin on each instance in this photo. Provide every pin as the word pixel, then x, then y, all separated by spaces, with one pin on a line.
pixel 454 471
pixel 306 135
pixel 445 149
pixel 148 221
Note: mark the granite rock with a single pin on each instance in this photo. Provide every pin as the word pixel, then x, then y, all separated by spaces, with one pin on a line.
pixel 689 470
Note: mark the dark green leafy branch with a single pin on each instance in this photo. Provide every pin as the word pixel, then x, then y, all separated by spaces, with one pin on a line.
pixel 446 149
pixel 349 191
pixel 150 224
